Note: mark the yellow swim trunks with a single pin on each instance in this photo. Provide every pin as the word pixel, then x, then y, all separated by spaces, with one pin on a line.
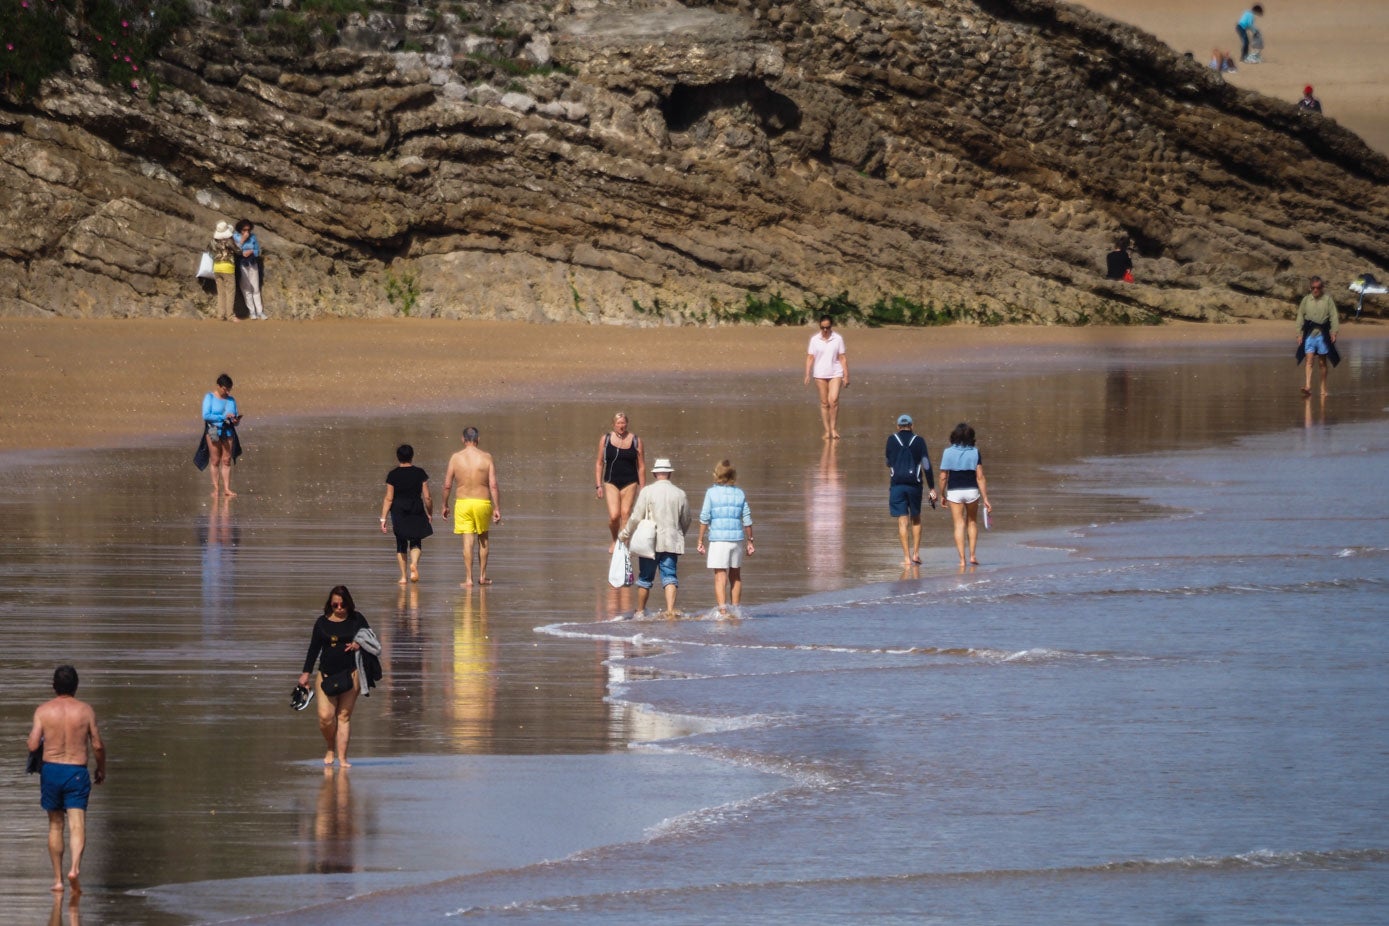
pixel 472 516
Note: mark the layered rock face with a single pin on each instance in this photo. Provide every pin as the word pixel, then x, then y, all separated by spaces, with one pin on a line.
pixel 652 162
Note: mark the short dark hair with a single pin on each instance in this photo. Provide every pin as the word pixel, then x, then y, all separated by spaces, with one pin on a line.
pixel 826 318
pixel 1258 9
pixel 405 453
pixel 962 436
pixel 470 434
pixel 244 224
pixel 65 680
pixel 339 591
pixel 224 381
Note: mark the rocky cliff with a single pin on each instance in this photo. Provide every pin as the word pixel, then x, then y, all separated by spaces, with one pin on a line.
pixel 639 160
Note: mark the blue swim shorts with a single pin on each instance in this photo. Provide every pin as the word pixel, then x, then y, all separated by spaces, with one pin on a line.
pixel 1315 343
pixel 904 500
pixel 646 569
pixel 64 787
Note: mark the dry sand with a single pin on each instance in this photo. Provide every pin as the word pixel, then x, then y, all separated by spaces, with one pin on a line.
pixel 97 383
pixel 1334 45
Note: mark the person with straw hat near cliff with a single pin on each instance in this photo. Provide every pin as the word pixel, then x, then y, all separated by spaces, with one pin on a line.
pixel 224 269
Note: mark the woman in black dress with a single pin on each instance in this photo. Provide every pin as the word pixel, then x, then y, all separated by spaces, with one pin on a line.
pixel 619 473
pixel 410 509
pixel 333 645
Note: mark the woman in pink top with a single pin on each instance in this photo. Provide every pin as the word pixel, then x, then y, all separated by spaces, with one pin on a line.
pixel 826 363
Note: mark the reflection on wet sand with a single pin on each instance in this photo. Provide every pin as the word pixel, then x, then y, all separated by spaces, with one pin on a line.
pixel 334 825
pixel 55 916
pixel 824 521
pixel 471 689
pixel 218 536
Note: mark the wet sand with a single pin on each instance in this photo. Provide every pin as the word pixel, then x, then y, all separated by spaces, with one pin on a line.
pixel 113 383
pixel 189 617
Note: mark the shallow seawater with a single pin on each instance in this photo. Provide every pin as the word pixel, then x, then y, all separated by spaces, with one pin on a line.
pixel 1159 699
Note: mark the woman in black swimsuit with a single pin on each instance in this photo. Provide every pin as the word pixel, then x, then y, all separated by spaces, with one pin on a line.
pixel 619 473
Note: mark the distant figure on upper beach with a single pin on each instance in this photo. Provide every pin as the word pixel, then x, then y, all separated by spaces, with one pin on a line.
pixel 664 503
pixel 1117 263
pixel 907 460
pixel 962 481
pixel 220 418
pixel 478 505
pixel 1309 103
pixel 1222 62
pixel 1244 27
pixel 826 362
pixel 1318 322
pixel 619 473
pixel 224 256
pixel 65 730
pixel 410 509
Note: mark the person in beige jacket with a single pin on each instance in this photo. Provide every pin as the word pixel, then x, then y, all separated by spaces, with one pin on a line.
pixel 665 503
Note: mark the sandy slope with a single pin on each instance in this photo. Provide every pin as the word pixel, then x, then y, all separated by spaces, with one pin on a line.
pixel 1338 46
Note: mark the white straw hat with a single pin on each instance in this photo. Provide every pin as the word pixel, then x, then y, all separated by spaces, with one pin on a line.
pixel 223 231
pixel 663 466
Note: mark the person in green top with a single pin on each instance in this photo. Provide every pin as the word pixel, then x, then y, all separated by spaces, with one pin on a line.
pixel 1317 325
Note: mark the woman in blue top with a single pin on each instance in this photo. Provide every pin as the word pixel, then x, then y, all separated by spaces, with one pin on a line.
pixel 248 267
pixel 962 481
pixel 220 418
pixel 727 521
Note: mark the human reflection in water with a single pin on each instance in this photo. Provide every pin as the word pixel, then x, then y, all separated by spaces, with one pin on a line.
pixel 55 916
pixel 1309 419
pixel 472 684
pixel 406 691
pixel 219 536
pixel 613 601
pixel 334 826
pixel 824 521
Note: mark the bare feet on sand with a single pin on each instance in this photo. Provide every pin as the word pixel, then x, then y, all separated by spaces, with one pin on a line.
pixel 469 583
pixel 401 581
pixel 414 576
pixel 328 757
pixel 73 882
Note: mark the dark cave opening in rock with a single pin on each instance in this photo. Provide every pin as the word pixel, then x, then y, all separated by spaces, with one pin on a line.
pixel 686 105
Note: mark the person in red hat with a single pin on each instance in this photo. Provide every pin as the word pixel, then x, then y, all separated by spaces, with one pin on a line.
pixel 1309 103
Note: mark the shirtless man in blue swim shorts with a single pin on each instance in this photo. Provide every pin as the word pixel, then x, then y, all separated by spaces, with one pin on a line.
pixel 65 727
pixel 478 505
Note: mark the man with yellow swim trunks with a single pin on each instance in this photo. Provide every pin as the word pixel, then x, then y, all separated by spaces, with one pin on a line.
pixel 478 505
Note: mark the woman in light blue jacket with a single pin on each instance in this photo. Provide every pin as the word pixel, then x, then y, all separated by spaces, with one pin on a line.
pixel 727 521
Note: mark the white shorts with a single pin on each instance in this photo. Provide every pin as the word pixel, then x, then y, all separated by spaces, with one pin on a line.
pixel 725 554
pixel 962 496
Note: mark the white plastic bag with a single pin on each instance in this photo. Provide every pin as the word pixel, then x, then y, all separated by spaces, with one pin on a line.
pixel 205 267
pixel 620 570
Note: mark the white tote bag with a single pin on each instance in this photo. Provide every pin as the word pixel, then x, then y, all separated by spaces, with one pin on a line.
pixel 620 569
pixel 643 541
pixel 205 267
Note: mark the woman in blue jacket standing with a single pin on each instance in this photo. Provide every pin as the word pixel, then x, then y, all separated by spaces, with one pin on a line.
pixel 727 521
pixel 220 418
